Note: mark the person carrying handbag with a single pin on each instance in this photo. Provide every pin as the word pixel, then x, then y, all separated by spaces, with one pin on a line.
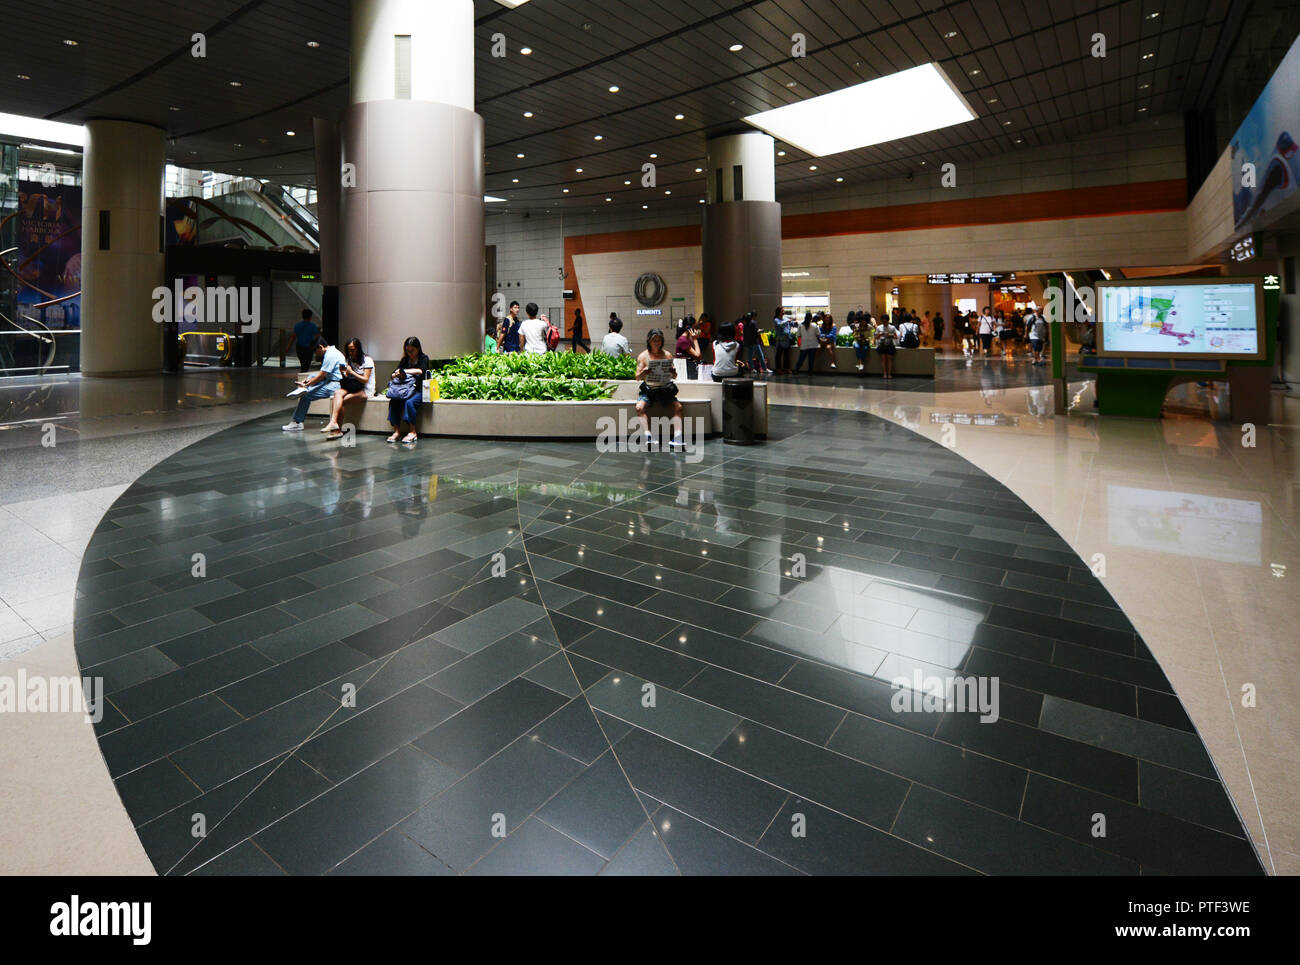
pixel 406 391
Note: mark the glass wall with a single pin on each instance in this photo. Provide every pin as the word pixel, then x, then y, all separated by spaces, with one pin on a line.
pixel 40 247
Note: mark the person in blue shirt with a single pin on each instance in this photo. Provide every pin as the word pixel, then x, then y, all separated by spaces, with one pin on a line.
pixel 322 385
pixel 303 338
pixel 511 341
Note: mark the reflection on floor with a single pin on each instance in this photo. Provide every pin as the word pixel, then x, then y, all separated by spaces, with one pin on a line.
pixel 478 657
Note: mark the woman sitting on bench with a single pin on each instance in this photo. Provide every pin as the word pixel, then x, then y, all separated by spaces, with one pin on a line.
pixel 357 381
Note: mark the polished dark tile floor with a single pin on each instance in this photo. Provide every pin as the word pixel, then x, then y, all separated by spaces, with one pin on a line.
pixel 495 658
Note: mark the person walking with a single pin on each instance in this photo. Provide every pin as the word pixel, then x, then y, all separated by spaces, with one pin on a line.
pixel 576 340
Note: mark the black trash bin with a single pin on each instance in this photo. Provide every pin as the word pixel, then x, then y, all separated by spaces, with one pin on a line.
pixel 244 349
pixel 738 411
pixel 171 347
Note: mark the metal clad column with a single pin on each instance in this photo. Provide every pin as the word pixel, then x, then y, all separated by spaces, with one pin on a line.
pixel 121 249
pixel 742 228
pixel 411 229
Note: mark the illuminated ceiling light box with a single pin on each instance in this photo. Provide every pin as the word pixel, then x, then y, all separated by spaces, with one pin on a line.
pixel 910 102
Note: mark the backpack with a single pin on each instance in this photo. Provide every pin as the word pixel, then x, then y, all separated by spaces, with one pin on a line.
pixel 911 336
pixel 552 337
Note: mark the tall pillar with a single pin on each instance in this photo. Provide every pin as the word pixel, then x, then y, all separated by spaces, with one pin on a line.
pixel 742 228
pixel 121 248
pixel 411 211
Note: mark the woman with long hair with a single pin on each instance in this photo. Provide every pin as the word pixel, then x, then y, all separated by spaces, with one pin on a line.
pixel 356 381
pixel 406 389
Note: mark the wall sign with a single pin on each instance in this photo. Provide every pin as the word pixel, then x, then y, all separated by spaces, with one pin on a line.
pixel 649 311
pixel 650 289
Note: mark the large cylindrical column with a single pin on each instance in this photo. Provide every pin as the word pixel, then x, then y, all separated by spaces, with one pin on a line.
pixel 742 228
pixel 411 211
pixel 121 248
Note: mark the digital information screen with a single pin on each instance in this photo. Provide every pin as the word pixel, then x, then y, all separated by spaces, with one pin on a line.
pixel 1194 320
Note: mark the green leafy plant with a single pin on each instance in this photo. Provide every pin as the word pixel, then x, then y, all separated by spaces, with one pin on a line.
pixel 846 339
pixel 566 365
pixel 520 388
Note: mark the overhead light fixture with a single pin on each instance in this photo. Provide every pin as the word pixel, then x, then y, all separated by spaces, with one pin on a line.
pixel 566 190
pixel 70 43
pixel 627 182
pixel 290 133
pixel 701 200
pixel 1143 86
pixel 488 199
pixel 316 43
pixel 975 72
pixel 578 170
pixel 653 156
pixel 910 102
pixel 993 100
pixel 792 83
pixel 1141 110
pixel 599 137
pixel 613 88
pixel 812 167
pixel 950 34
pixel 28 77
pixel 735 48
pixel 838 180
pixel 525 50
pixel 609 199
pixel 39 129
pixel 512 3
pixel 780 153
pixel 520 156
pixel 514 180
pixel 679 117
pixel 1147 56
pixel 699 170
pixel 1153 16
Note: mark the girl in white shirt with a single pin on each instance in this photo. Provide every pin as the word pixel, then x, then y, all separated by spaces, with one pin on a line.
pixel 358 369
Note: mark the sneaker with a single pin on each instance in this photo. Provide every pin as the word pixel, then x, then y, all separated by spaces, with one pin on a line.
pixel 833 365
pixel 292 427
pixel 860 366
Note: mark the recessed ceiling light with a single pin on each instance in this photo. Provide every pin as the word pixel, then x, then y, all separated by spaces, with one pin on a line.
pixel 70 43
pixel 525 50
pixel 609 199
pixel 173 108
pixel 28 77
pixel 838 180
pixel 950 34
pixel 313 43
pixel 780 153
pixel 1152 16
pixel 736 47
pixel 975 71
pixel 653 156
pixel 792 84
pixel 645 207
pixel 699 170
pixel 600 137
pixel 566 190
pixel 1006 123
pixel 993 100
pixel 519 155
pixel 514 180
pixel 1141 109
pixel 910 102
pixel 679 117
pixel 812 167
pixel 291 133
pixel 1143 86
pixel 1020 140
pixel 627 182
pixel 578 170
pixel 613 88
pixel 668 192
pixel 235 83
pixel 701 200
pixel 1147 56
pixel 237 144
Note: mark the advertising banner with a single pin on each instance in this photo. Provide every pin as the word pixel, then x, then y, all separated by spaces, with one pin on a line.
pixel 49 251
pixel 1265 153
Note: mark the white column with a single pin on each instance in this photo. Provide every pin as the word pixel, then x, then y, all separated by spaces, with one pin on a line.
pixel 122 177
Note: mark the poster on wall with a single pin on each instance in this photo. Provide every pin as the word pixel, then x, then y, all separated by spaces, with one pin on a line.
pixel 49 251
pixel 1267 142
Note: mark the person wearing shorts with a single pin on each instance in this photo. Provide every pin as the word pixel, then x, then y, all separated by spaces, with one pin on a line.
pixel 654 370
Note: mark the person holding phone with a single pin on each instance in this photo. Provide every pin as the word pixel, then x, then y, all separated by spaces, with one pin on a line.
pixel 406 390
